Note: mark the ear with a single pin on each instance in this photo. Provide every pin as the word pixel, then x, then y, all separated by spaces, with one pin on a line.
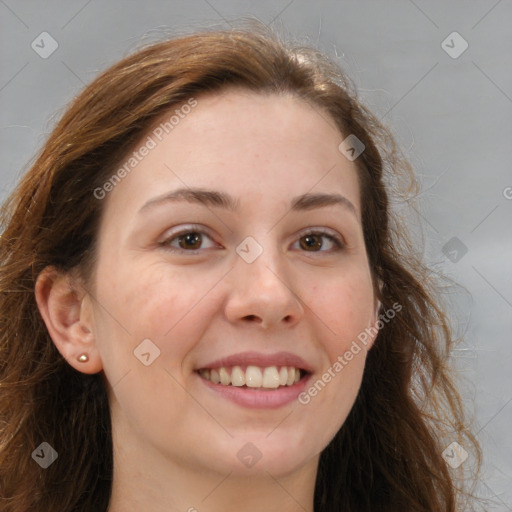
pixel 67 312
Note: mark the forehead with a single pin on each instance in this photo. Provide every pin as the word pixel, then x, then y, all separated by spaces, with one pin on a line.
pixel 249 144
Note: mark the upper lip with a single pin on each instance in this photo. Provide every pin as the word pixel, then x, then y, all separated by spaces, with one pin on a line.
pixel 259 359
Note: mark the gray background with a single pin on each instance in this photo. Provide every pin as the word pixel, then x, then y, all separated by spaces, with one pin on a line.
pixel 452 116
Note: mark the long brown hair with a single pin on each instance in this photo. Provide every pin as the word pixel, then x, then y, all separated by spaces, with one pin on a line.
pixel 388 454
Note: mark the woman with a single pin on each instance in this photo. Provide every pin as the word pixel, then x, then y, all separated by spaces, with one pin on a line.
pixel 206 303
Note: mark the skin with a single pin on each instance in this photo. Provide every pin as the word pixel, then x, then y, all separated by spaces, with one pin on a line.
pixel 175 442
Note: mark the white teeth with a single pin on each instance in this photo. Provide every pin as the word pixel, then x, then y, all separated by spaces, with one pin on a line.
pixel 270 377
pixel 237 376
pixel 225 379
pixel 283 376
pixel 291 376
pixel 253 377
pixel 214 376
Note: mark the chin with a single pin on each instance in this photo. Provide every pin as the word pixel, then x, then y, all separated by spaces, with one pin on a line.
pixel 260 455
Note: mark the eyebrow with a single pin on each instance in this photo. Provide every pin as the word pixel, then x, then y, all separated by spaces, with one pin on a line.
pixel 304 202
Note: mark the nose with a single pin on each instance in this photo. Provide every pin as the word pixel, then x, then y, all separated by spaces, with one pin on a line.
pixel 262 293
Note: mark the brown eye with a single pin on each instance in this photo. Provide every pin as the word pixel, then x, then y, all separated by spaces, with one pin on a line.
pixel 311 242
pixel 315 242
pixel 190 241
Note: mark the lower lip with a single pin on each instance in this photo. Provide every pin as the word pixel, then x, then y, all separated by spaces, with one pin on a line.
pixel 259 399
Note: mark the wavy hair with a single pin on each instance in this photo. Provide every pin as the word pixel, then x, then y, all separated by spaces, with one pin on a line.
pixel 387 456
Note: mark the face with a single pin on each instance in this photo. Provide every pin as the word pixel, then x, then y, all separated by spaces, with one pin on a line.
pixel 262 273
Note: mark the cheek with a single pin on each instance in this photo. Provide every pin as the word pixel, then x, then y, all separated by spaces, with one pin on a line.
pixel 163 314
pixel 346 308
pixel 343 311
pixel 172 309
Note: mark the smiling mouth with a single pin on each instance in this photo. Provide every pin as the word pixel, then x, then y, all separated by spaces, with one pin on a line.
pixel 254 377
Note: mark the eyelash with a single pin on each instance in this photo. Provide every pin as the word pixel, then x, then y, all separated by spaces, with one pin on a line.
pixel 336 240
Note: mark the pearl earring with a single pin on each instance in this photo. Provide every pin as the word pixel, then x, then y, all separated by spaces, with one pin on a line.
pixel 83 358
